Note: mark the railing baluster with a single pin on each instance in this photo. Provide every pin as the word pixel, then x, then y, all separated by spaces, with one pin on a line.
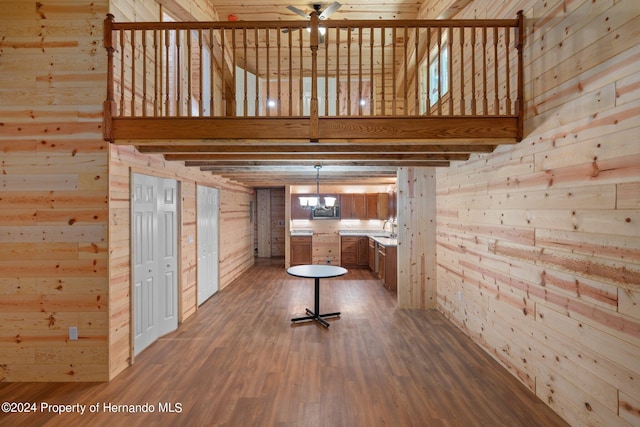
pixel 440 68
pixel 450 67
pixel 122 75
pixel 279 73
pixel 178 73
pixel 360 99
pixel 256 46
pixel 484 71
pixel 371 80
pixel 416 91
pixel 267 77
pixel 225 111
pixel 212 74
pixel 133 73
pixel 189 61
pixel 394 82
pixel 157 75
pixel 144 73
pixel 338 87
pixel 234 100
pixel 473 70
pixel 327 43
pixel 200 74
pixel 290 48
pixel 300 81
pixel 496 101
pixel 406 70
pixel 507 42
pixel 246 80
pixel 348 102
pixel 428 84
pixel 383 72
pixel 462 99
pixel 167 73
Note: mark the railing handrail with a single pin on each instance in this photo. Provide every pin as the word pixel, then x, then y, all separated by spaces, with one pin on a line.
pixel 370 23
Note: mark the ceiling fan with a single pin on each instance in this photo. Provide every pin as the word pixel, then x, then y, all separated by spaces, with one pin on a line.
pixel 322 14
pixel 317 7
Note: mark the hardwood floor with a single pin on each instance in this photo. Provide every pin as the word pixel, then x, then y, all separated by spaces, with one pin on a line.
pixel 240 362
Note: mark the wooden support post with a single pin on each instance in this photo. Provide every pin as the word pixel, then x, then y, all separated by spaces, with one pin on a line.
pixel 109 105
pixel 313 112
pixel 520 100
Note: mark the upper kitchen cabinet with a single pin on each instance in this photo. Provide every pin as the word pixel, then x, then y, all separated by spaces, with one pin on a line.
pixel 297 211
pixel 353 206
pixel 392 205
pixel 364 206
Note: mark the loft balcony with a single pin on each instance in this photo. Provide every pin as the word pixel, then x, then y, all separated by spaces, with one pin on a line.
pixel 412 90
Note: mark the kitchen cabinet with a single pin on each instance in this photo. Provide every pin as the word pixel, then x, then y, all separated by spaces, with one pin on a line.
pixel 388 266
pixel 301 250
pixel 392 205
pixel 365 206
pixel 372 254
pixel 377 206
pixel 383 206
pixel 372 205
pixel 297 212
pixel 352 206
pixel 354 251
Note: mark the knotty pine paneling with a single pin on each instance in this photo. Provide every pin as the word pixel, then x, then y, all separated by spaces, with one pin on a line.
pixel 53 192
pixel 64 198
pixel 537 243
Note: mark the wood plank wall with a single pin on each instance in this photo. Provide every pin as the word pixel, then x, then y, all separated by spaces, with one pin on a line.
pixel 62 187
pixel 538 244
pixel 416 238
pixel 53 192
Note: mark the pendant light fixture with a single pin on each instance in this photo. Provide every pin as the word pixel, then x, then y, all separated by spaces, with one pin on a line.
pixel 314 202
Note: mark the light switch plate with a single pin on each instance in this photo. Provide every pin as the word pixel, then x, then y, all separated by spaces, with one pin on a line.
pixel 73 333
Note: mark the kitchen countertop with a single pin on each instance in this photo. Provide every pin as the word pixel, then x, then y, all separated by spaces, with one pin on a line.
pixel 382 237
pixel 372 233
pixel 385 241
pixel 301 233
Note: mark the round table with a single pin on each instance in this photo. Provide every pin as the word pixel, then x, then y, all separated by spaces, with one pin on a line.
pixel 316 272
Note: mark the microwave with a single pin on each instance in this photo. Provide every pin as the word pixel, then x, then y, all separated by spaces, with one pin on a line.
pixel 326 212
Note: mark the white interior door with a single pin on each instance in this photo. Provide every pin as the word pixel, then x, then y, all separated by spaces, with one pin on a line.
pixel 154 252
pixel 168 251
pixel 208 208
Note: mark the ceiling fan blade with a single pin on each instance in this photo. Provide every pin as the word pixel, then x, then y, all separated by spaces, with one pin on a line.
pixel 298 11
pixel 330 10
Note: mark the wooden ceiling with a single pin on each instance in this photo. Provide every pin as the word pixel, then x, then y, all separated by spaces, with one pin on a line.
pixel 274 164
pixel 266 10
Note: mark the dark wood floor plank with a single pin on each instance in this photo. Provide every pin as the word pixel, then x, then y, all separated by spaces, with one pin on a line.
pixel 239 361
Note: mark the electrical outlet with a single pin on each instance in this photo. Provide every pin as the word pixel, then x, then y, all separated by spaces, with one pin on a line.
pixel 328 261
pixel 459 295
pixel 73 333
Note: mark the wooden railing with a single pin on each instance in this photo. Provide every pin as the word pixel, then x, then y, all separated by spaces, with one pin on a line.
pixel 313 70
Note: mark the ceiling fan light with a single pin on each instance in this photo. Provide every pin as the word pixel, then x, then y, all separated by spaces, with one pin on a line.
pixel 330 202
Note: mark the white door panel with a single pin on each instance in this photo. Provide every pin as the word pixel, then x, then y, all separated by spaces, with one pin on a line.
pixel 154 234
pixel 208 206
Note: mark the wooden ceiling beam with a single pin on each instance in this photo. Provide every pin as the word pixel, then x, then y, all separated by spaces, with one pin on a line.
pixel 319 148
pixel 298 157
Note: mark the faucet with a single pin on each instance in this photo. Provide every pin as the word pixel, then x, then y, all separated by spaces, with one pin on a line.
pixel 394 235
pixel 393 228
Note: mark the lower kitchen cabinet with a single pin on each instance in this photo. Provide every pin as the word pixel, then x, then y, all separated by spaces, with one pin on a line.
pixel 301 250
pixel 388 266
pixel 372 254
pixel 354 251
